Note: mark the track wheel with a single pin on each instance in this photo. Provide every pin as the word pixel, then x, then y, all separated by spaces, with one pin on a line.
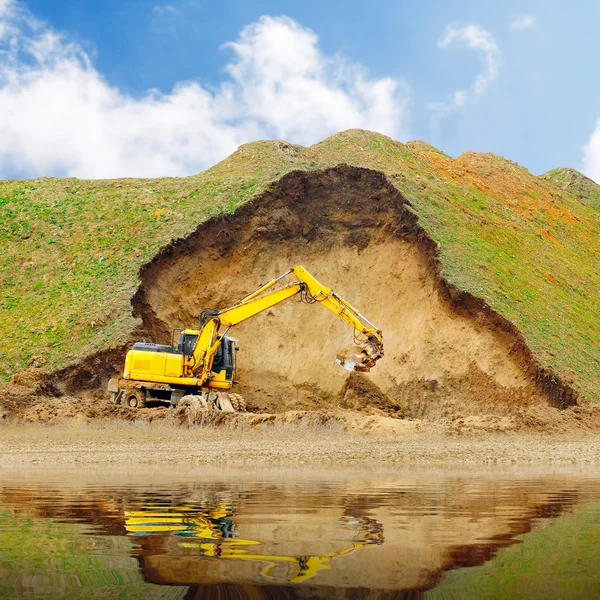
pixel 135 399
pixel 238 402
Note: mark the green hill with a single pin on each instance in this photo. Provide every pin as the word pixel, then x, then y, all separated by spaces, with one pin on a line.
pixel 525 245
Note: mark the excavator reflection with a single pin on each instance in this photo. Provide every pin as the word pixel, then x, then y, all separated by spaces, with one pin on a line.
pixel 212 532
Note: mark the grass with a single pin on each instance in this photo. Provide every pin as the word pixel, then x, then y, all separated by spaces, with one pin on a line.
pixel 526 245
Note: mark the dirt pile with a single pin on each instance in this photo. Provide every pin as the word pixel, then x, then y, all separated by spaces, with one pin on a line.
pixel 26 388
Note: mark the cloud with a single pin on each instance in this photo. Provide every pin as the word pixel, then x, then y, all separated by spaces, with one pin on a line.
pixel 61 117
pixel 164 18
pixel 165 9
pixel 523 22
pixel 591 155
pixel 476 38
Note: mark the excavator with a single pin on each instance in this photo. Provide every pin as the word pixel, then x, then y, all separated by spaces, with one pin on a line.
pixel 198 368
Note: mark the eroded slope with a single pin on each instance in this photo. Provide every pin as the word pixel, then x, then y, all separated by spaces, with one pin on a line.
pixel 357 234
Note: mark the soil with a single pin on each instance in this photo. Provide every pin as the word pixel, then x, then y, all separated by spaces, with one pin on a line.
pixel 449 358
pixel 301 440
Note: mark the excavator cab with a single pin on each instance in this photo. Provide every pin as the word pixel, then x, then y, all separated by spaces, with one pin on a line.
pixel 225 358
pixel 224 361
pixel 186 342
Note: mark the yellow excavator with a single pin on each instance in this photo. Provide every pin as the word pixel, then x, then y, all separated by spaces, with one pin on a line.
pixel 198 367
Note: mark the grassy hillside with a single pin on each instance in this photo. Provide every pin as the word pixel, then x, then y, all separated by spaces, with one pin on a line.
pixel 527 245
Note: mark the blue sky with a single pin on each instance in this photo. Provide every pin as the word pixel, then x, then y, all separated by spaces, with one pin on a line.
pixel 527 70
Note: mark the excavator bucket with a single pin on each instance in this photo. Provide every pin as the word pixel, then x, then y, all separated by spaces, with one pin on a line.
pixel 348 359
pixel 361 357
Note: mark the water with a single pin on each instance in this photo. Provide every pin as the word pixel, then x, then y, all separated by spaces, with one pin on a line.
pixel 198 534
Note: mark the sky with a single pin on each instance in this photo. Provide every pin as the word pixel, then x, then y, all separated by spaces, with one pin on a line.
pixel 150 88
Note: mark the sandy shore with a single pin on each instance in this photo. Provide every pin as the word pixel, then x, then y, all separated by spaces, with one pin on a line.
pixel 127 443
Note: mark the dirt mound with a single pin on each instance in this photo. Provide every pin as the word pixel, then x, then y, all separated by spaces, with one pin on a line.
pixel 446 352
pixel 26 388
pixel 361 394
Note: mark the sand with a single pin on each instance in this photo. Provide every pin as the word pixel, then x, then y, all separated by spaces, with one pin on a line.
pixel 294 446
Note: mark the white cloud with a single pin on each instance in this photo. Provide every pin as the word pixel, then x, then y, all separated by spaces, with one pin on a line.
pixel 591 155
pixel 523 22
pixel 6 6
pixel 61 117
pixel 476 38
pixel 165 9
pixel 164 18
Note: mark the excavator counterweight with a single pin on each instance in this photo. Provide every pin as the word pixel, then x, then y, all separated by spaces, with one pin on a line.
pixel 198 368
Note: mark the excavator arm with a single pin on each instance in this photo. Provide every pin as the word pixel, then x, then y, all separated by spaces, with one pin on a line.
pixel 211 322
pixel 370 348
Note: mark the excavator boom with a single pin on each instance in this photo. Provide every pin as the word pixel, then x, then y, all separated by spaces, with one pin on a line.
pixel 370 349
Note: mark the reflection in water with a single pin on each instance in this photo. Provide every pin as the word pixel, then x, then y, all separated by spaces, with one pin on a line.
pixel 389 536
pixel 211 532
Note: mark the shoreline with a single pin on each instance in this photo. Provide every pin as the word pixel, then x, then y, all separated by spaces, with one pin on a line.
pixel 118 443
